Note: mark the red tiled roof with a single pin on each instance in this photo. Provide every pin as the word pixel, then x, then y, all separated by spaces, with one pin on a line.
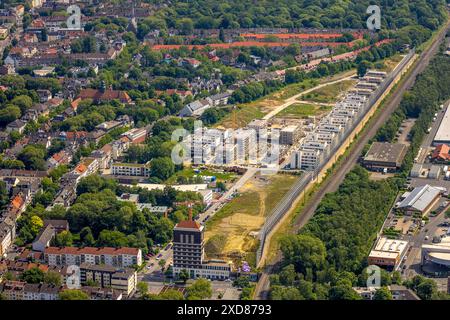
pixel 248 44
pixel 188 224
pixel 441 152
pixel 74 103
pixel 38 23
pixel 297 35
pixel 257 44
pixel 55 101
pixel 107 95
pixel 81 168
pixel 175 91
pixel 76 134
pixel 17 202
pixel 125 139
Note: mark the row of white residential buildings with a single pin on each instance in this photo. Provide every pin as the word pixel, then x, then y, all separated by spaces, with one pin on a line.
pixel 328 132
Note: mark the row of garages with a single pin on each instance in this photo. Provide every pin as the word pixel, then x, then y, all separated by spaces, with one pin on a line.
pixel 430 171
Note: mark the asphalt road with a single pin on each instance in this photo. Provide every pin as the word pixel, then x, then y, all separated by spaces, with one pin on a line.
pixel 332 184
pixel 426 145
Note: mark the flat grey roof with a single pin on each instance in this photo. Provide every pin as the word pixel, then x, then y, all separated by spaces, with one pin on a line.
pixel 443 133
pixel 386 152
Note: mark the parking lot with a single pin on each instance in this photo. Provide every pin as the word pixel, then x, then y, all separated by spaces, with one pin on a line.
pixel 418 182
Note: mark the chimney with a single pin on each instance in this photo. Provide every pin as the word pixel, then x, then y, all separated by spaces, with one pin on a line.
pixel 190 212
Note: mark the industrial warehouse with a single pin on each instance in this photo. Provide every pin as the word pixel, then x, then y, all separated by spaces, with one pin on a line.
pixel 388 253
pixel 443 133
pixel 385 156
pixel 420 201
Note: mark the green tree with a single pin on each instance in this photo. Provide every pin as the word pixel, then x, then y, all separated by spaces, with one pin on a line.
pixel 241 282
pixel 288 275
pixel 64 239
pixel 86 237
pixel 304 252
pixel 36 224
pixel 33 157
pixel 171 294
pixel 52 277
pixel 108 238
pixel 9 114
pixel 162 168
pixel 199 290
pixel 142 288
pixel 383 294
pixel 184 275
pixel 73 294
pixel 285 293
pixel 343 292
pixel 23 102
pixel 33 275
pixel 427 289
pixel 362 68
pixel 162 263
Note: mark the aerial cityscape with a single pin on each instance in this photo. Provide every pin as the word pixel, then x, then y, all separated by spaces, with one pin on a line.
pixel 224 150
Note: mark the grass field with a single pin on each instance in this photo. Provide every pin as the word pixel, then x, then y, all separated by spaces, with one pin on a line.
pixel 189 173
pixel 303 110
pixel 231 228
pixel 390 63
pixel 246 112
pixel 330 93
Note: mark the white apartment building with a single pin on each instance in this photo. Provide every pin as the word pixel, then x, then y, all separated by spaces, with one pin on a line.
pixel 246 145
pixel 326 127
pixel 337 120
pixel 207 196
pixel 117 257
pixel 7 235
pixel 290 135
pixel 208 270
pixel 131 169
pixel 328 137
pixel 306 159
pixel 225 154
pixel 40 291
pixel 315 145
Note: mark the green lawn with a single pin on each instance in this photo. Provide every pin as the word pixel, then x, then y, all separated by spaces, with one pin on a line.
pixel 244 114
pixel 189 173
pixel 301 110
pixel 329 93
pixel 247 112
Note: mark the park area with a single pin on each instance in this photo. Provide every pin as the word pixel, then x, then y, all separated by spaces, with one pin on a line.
pixel 231 234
